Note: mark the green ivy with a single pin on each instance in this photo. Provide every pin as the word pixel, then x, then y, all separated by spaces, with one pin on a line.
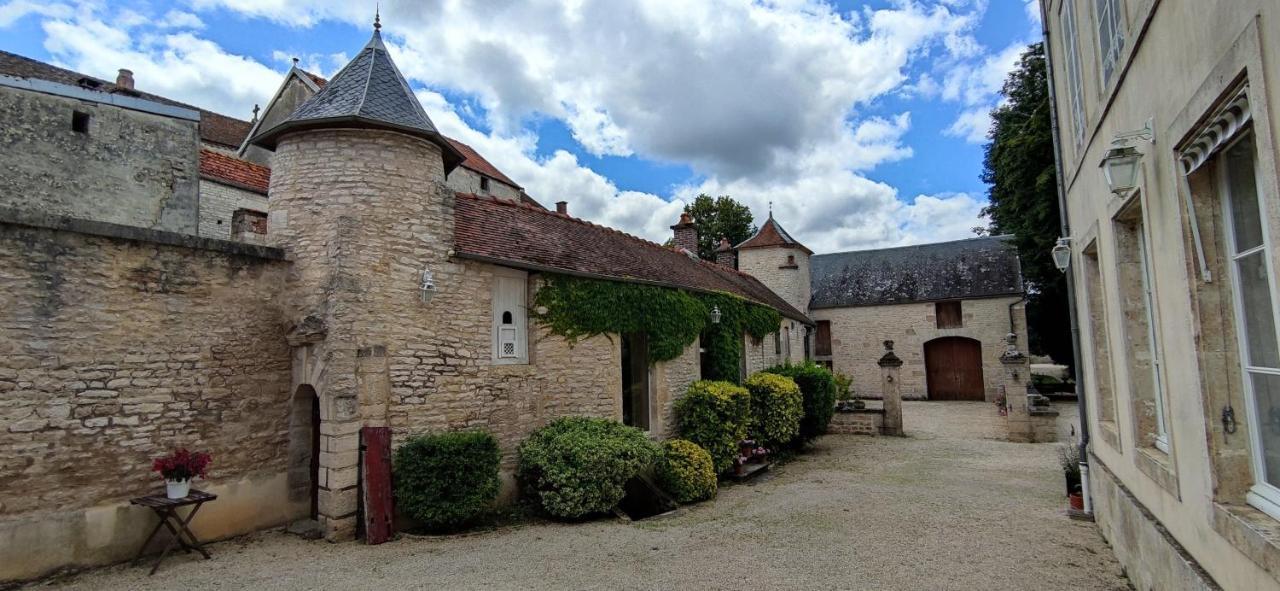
pixel 577 308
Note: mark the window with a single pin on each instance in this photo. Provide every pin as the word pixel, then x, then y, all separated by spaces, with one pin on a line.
pixel 637 392
pixel 1110 14
pixel 484 184
pixel 1142 346
pixel 1075 85
pixel 948 314
pixel 80 122
pixel 510 335
pixel 1253 284
pixel 777 342
pixel 786 342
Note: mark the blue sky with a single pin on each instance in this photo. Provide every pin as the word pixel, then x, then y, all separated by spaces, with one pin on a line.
pixel 861 122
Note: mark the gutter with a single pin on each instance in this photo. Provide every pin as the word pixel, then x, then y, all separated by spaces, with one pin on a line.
pixel 1081 400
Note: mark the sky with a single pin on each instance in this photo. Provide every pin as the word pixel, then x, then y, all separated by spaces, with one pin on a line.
pixel 860 123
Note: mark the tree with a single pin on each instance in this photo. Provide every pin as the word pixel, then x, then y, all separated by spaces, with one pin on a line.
pixel 714 218
pixel 1023 196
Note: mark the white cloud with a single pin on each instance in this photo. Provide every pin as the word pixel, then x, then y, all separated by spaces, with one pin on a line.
pixel 972 125
pixel 10 12
pixel 177 19
pixel 977 87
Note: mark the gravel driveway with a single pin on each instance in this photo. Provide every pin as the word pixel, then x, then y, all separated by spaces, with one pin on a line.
pixel 947 507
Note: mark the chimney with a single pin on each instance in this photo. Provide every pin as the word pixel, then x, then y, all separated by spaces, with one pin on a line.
pixel 724 254
pixel 686 235
pixel 125 79
pixel 562 207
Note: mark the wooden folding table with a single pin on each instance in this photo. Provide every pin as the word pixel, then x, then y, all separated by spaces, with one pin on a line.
pixel 179 527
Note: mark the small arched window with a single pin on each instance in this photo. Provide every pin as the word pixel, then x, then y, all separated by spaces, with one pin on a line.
pixel 506 317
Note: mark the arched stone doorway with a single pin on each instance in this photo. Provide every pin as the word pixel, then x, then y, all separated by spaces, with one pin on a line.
pixel 953 369
pixel 304 449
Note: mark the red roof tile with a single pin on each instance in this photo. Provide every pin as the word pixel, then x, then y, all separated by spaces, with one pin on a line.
pixel 520 235
pixel 474 161
pixel 222 168
pixel 772 234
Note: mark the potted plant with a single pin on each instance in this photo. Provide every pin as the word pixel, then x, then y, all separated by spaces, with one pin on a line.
pixel 1069 459
pixel 178 468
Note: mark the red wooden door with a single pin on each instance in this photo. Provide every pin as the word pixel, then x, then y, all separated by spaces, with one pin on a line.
pixel 953 369
pixel 376 486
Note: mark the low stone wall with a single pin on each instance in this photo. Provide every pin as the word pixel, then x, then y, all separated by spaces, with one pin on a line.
pixel 1151 557
pixel 867 421
pixel 117 345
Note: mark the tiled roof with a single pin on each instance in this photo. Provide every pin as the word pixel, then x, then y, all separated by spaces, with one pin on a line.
pixel 368 92
pixel 772 234
pixel 214 128
pixel 520 235
pixel 474 161
pixel 222 168
pixel 961 269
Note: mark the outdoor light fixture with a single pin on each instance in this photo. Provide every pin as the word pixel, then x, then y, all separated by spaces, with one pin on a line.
pixel 1062 254
pixel 428 286
pixel 1120 166
pixel 715 315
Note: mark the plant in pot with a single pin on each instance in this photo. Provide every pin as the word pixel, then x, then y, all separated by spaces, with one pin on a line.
pixel 178 468
pixel 1069 459
pixel 845 401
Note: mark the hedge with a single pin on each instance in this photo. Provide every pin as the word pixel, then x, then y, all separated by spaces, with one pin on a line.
pixel 776 409
pixel 818 386
pixel 579 466
pixel 715 416
pixel 445 480
pixel 686 471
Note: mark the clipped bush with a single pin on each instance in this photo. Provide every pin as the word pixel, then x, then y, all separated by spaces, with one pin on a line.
pixel 445 480
pixel 776 409
pixel 579 466
pixel 686 471
pixel 818 386
pixel 715 416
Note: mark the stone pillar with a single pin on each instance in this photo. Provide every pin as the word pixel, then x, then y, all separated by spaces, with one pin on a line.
pixel 1026 411
pixel 890 365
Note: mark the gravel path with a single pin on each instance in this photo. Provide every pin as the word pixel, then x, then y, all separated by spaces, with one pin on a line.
pixel 948 507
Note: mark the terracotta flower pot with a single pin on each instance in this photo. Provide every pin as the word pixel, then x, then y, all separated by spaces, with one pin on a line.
pixel 1077 501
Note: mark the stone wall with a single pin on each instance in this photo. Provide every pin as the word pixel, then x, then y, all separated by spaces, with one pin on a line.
pixel 115 349
pixel 764 353
pixel 770 266
pixel 858 422
pixel 672 379
pixel 129 167
pixel 219 202
pixel 858 334
pixel 465 180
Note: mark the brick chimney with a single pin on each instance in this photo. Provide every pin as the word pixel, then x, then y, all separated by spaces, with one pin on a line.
pixel 686 234
pixel 125 79
pixel 724 254
pixel 562 207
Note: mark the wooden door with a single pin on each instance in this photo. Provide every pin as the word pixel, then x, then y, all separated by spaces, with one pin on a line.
pixel 823 340
pixel 953 369
pixel 375 487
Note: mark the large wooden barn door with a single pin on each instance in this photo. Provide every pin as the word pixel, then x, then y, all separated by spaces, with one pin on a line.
pixel 953 369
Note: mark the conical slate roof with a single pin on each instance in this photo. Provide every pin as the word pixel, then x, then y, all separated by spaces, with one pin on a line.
pixel 369 92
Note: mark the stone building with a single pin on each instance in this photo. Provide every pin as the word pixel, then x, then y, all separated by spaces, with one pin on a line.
pixel 379 296
pixel 1167 152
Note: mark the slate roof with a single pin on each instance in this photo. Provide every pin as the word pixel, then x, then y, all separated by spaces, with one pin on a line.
pixel 771 234
pixel 229 170
pixel 214 128
pixel 367 92
pixel 962 269
pixel 522 236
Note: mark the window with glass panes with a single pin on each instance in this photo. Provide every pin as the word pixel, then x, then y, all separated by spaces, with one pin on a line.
pixel 1110 35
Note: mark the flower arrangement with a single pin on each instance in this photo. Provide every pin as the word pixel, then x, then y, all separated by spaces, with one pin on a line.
pixel 182 465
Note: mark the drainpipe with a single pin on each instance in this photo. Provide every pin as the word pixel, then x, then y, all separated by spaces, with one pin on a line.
pixel 1081 402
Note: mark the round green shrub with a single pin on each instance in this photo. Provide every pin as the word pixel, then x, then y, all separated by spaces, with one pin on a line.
pixel 715 415
pixel 818 386
pixel 776 409
pixel 445 480
pixel 686 471
pixel 579 466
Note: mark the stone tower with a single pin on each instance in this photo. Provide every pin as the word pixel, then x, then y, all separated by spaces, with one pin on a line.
pixel 358 200
pixel 778 261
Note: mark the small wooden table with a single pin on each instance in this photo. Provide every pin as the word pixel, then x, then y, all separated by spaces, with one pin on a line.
pixel 179 527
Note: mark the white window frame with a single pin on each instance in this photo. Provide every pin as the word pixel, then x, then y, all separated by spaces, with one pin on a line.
pixel 1262 495
pixel 1075 83
pixel 510 294
pixel 1157 385
pixel 1111 14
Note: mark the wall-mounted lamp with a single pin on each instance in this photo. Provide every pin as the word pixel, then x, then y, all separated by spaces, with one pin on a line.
pixel 715 315
pixel 428 287
pixel 1120 164
pixel 1062 254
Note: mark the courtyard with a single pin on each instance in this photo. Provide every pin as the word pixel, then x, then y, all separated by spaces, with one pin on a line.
pixel 948 507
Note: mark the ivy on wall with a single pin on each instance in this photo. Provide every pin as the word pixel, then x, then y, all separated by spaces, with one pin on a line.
pixel 577 308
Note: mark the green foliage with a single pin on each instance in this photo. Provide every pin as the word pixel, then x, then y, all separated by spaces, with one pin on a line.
pixel 818 386
pixel 577 308
pixel 579 466
pixel 716 218
pixel 1023 198
pixel 686 471
pixel 844 387
pixel 723 341
pixel 776 409
pixel 715 415
pixel 446 480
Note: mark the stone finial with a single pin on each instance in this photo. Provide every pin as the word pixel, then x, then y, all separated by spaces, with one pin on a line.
pixel 1011 353
pixel 889 359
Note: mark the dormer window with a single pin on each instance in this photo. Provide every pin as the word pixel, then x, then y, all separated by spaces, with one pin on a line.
pixel 484 184
pixel 510 324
